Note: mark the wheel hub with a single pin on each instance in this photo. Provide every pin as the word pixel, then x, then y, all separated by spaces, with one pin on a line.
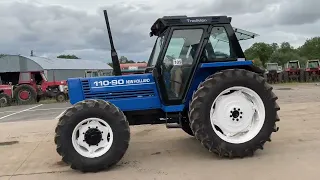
pixel 24 95
pixel 237 114
pixel 93 136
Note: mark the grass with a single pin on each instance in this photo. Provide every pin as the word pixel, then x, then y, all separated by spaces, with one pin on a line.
pixel 47 101
pixel 43 101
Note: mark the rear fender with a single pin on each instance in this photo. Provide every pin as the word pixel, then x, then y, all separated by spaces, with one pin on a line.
pixel 207 69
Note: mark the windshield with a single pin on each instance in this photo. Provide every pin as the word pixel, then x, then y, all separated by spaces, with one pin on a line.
pixel 293 65
pixel 156 50
pixel 272 67
pixel 313 64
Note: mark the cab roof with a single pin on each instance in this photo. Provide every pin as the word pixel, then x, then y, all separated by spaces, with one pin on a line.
pixel 161 24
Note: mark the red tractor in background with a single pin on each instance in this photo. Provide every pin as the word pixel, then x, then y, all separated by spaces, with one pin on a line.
pixel 312 72
pixel 293 72
pixel 133 68
pixel 29 88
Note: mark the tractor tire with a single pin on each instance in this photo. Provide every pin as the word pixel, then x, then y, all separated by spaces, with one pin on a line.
pixel 301 76
pixel 285 77
pixel 234 113
pixel 5 100
pixel 109 131
pixel 307 77
pixel 265 76
pixel 25 94
pixel 61 97
pixel 185 126
pixel 280 77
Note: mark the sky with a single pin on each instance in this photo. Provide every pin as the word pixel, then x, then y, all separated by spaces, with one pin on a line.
pixel 53 27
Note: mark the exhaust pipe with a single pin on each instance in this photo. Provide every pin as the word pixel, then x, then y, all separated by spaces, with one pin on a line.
pixel 114 55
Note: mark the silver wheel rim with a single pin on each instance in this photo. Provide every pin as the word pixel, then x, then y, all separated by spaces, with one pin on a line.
pixel 79 138
pixel 239 113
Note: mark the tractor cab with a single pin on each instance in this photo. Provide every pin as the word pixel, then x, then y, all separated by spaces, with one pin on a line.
pixel 272 67
pixel 313 64
pixel 293 65
pixel 184 43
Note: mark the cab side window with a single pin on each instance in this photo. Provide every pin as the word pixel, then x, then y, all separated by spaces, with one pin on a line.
pixel 219 46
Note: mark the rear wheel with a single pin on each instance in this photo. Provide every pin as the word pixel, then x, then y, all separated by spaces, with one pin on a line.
pixel 5 100
pixel 285 76
pixel 185 126
pixel 25 94
pixel 233 113
pixel 301 76
pixel 92 135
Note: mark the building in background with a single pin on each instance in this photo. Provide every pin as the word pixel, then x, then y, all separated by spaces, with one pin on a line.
pixel 55 69
pixel 27 79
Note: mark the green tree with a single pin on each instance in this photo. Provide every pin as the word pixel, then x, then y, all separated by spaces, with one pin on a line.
pixel 123 59
pixel 286 47
pixel 260 50
pixel 275 47
pixel 311 48
pixel 67 56
pixel 283 57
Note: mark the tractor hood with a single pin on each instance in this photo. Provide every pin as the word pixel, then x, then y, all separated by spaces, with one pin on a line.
pixel 3 87
pixel 128 92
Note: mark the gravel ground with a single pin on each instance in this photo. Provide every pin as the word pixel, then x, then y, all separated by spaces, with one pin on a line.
pixel 27 150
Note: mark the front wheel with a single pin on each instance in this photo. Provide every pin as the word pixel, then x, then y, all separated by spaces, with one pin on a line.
pixel 233 113
pixel 92 135
pixel 61 97
pixel 5 100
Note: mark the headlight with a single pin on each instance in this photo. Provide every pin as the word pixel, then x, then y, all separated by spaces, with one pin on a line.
pixel 63 88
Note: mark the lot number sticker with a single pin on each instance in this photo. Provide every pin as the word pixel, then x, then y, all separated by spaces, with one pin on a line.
pixel 177 62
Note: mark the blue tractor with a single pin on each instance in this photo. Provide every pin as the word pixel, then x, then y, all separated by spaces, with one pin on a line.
pixel 197 80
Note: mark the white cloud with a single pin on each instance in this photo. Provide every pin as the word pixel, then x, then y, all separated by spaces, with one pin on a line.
pixel 52 27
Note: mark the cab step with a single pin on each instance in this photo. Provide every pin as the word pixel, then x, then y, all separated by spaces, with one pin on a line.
pixel 173 125
pixel 173 120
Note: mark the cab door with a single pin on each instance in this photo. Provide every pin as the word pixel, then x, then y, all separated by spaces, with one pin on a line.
pixel 177 62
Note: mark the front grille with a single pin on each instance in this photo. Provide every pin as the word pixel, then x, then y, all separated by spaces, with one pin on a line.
pixel 115 94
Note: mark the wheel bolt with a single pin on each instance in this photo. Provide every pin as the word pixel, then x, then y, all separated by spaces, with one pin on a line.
pixel 97 127
pixel 234 109
pixel 238 109
pixel 240 116
pixel 240 112
pixel 237 119
pixel 230 115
